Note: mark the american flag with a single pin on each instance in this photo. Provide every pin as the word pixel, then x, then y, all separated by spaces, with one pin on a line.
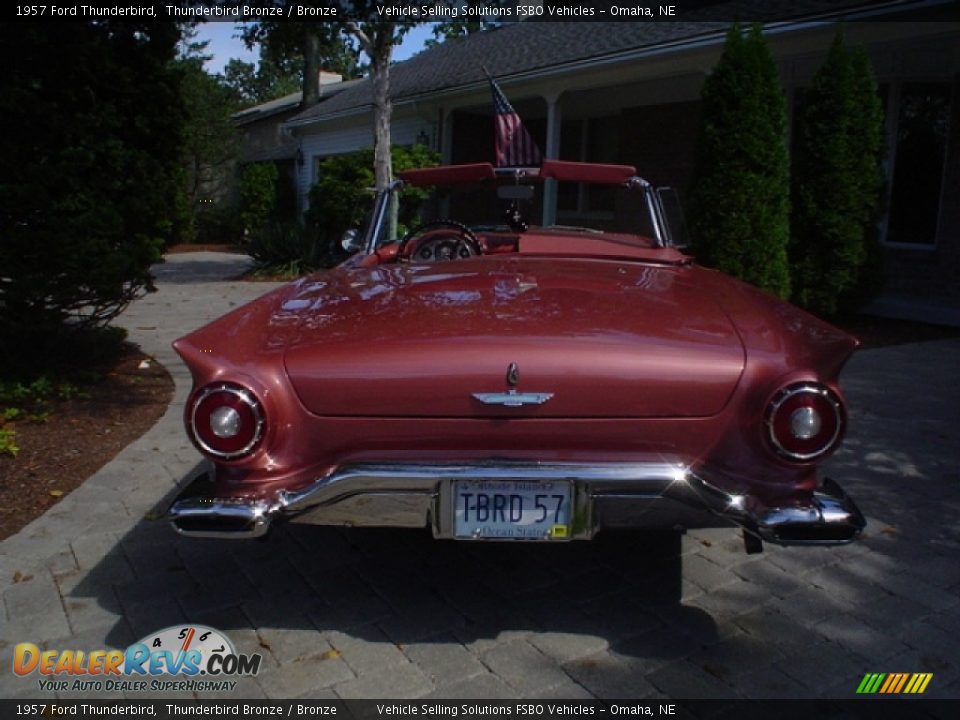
pixel 514 145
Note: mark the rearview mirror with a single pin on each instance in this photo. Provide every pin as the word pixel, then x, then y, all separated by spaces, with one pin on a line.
pixel 515 192
pixel 350 241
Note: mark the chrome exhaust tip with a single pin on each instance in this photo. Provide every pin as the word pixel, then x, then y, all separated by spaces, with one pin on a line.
pixel 196 514
pixel 831 518
pixel 197 517
pixel 828 516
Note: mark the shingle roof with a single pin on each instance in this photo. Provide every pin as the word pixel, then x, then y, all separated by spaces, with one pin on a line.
pixel 526 47
pixel 271 107
pixel 286 102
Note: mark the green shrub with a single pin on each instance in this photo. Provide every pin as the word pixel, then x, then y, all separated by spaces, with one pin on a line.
pixel 219 224
pixel 338 202
pixel 258 195
pixel 739 212
pixel 285 248
pixel 837 182
pixel 8 445
pixel 29 401
pixel 337 199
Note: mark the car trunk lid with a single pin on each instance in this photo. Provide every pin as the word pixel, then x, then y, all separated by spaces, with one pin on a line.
pixel 601 338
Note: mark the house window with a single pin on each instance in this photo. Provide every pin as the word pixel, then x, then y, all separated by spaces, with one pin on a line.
pixel 919 159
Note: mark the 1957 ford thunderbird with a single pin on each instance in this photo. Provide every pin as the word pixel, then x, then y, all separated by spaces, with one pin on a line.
pixel 490 378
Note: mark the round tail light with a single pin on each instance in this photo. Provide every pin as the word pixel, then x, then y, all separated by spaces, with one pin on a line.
pixel 805 421
pixel 226 420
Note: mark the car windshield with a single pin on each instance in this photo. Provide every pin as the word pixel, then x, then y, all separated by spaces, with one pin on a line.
pixel 516 205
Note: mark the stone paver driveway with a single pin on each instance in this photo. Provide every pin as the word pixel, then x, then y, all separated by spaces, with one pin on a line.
pixel 369 613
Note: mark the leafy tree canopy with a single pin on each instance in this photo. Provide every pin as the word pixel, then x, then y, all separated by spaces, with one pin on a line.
pixel 337 46
pixel 461 27
pixel 302 49
pixel 210 141
pixel 253 84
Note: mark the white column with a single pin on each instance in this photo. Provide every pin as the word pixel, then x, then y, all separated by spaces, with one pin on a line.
pixel 551 152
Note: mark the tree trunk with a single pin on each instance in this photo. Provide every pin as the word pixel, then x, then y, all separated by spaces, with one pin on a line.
pixel 311 69
pixel 382 109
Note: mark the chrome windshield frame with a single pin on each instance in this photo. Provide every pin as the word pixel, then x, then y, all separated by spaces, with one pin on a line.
pixel 650 199
pixel 654 208
pixel 379 212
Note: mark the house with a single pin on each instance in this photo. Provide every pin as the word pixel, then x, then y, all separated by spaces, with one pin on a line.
pixel 629 93
pixel 263 136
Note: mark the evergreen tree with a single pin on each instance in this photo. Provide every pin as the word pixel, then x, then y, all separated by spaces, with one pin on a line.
pixel 836 183
pixel 740 192
pixel 90 175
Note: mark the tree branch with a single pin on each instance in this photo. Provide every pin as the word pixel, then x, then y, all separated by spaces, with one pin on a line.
pixel 364 39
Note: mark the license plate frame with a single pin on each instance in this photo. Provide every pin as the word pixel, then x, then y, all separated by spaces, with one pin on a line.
pixel 512 509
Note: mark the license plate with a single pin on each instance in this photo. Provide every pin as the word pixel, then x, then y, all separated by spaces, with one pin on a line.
pixel 512 509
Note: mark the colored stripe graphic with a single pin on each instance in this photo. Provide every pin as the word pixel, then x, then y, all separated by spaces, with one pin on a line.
pixel 922 684
pixel 894 683
pixel 870 683
pixel 889 683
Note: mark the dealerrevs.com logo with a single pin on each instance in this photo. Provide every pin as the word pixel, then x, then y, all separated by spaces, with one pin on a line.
pixel 178 658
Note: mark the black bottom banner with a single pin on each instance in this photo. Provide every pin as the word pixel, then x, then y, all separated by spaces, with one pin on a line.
pixel 872 709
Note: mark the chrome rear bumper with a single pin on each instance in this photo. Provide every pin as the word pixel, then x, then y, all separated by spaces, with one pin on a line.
pixel 654 495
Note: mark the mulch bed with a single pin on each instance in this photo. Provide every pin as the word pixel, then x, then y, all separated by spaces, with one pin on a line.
pixel 80 436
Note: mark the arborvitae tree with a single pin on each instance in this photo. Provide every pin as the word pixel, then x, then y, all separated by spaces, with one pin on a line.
pixel 870 279
pixel 740 193
pixel 837 181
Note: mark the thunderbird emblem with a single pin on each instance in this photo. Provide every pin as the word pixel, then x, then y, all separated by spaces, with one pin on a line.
pixel 513 374
pixel 512 398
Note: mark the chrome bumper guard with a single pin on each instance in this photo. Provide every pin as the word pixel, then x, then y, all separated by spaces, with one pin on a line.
pixel 624 494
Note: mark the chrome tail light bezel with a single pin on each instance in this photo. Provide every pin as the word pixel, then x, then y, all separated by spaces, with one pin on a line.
pixel 826 400
pixel 248 400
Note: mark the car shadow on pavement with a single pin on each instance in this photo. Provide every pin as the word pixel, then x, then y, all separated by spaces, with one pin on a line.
pixel 321 592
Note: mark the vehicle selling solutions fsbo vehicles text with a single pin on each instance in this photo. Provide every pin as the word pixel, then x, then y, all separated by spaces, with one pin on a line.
pixel 412 11
pixel 519 709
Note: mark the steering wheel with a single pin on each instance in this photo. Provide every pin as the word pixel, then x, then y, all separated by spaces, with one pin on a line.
pixel 439 240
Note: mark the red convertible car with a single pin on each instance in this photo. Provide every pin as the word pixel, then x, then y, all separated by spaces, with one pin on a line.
pixel 491 377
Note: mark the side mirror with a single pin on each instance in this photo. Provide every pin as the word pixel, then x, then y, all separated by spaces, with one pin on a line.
pixel 351 241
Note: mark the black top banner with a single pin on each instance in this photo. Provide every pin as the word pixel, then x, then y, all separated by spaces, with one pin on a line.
pixel 504 11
